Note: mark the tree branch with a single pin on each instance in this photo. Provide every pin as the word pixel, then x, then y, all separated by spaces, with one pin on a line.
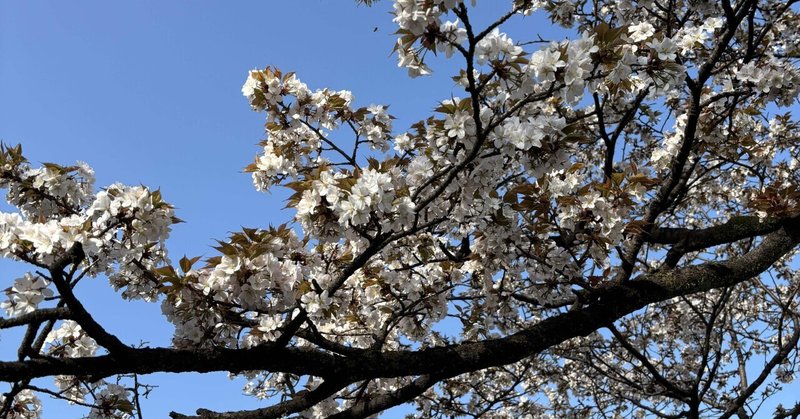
pixel 782 413
pixel 301 401
pixel 73 256
pixel 778 358
pixel 36 316
pixel 689 240
pixel 608 304
pixel 384 401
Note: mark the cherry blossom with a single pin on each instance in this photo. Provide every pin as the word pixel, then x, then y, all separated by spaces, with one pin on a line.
pixel 604 224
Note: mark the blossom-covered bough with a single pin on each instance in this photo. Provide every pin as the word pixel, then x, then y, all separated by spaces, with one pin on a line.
pixel 601 226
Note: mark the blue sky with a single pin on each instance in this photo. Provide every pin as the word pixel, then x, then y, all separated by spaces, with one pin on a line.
pixel 148 92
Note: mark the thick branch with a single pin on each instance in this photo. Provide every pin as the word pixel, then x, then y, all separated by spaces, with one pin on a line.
pixel 689 240
pixel 608 305
pixel 737 228
pixel 150 360
pixel 36 316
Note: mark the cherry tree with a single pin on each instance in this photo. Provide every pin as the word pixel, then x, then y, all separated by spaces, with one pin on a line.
pixel 600 226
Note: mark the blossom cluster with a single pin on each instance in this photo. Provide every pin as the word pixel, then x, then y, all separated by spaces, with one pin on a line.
pixel 26 405
pixel 71 341
pixel 517 201
pixel 26 294
pixel 298 121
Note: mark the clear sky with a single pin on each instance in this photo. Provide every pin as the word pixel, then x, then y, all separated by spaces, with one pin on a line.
pixel 148 92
